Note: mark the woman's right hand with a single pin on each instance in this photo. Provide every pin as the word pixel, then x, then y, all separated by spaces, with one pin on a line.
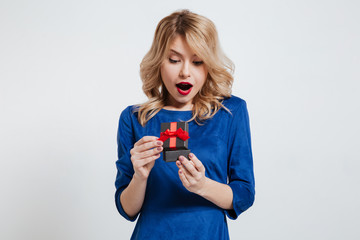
pixel 143 155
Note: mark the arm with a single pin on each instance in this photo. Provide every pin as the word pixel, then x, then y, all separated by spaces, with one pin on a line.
pixel 135 161
pixel 238 194
pixel 143 157
pixel 192 175
pixel 240 162
pixel 132 198
pixel 218 193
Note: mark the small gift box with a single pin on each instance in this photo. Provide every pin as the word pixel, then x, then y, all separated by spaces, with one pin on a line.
pixel 175 137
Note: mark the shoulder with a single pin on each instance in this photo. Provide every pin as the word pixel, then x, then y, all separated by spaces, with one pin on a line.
pixel 234 103
pixel 129 115
pixel 233 110
pixel 129 111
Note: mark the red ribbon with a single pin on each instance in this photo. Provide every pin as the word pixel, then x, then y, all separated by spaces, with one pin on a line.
pixel 183 135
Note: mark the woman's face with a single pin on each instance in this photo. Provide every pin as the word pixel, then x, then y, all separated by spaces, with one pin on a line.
pixel 183 74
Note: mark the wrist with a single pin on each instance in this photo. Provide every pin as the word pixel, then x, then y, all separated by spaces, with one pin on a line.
pixel 204 188
pixel 139 179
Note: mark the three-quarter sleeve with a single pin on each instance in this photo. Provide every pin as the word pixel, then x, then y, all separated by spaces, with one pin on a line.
pixel 240 162
pixel 125 171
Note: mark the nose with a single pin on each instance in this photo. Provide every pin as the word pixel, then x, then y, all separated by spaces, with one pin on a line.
pixel 185 71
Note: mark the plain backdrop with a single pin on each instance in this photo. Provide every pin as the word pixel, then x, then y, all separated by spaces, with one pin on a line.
pixel 68 69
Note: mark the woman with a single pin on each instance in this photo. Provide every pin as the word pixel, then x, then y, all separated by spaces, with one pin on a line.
pixel 186 78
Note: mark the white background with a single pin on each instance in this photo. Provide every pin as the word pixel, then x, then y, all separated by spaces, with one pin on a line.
pixel 68 69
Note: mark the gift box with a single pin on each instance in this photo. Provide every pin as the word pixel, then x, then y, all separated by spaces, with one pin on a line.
pixel 175 137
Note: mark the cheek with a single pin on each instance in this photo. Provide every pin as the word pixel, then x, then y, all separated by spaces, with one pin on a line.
pixel 201 76
pixel 164 75
pixel 167 73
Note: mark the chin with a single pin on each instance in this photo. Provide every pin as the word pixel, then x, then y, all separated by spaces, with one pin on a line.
pixel 182 100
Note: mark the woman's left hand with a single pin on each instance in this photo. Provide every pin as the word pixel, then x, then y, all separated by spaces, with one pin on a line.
pixel 192 173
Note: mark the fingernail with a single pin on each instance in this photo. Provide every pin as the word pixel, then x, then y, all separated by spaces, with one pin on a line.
pixel 191 155
pixel 159 142
pixel 159 148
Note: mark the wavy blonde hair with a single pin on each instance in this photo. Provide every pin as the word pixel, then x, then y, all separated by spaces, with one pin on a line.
pixel 201 35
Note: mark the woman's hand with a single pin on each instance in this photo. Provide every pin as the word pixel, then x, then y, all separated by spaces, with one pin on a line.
pixel 192 176
pixel 144 154
pixel 192 173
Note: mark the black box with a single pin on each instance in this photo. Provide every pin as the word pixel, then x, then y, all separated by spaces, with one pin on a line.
pixel 175 136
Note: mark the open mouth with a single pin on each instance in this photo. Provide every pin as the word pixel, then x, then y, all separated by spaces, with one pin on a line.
pixel 184 88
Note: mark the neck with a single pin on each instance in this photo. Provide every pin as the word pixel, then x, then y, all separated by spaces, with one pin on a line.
pixel 178 106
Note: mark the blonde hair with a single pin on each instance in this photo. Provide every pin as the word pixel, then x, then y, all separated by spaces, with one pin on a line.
pixel 201 35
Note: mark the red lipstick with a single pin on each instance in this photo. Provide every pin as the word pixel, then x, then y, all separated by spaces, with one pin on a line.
pixel 184 88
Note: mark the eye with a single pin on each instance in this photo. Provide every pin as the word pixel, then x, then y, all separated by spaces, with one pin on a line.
pixel 198 63
pixel 173 61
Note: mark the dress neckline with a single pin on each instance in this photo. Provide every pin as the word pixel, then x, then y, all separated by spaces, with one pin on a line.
pixel 176 111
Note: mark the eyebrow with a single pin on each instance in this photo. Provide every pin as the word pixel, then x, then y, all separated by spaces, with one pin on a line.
pixel 177 53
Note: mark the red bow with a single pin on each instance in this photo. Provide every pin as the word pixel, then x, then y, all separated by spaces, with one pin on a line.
pixel 183 135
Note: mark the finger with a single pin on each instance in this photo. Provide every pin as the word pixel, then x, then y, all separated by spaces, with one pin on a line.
pixel 151 159
pixel 142 162
pixel 150 152
pixel 197 163
pixel 188 165
pixel 181 167
pixel 135 156
pixel 148 145
pixel 178 164
pixel 183 178
pixel 145 139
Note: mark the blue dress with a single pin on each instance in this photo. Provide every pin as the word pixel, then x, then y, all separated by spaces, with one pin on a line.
pixel 170 211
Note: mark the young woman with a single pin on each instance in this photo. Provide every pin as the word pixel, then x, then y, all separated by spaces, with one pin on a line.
pixel 186 78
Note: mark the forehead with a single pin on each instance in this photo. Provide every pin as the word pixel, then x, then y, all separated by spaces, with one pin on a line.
pixel 179 46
